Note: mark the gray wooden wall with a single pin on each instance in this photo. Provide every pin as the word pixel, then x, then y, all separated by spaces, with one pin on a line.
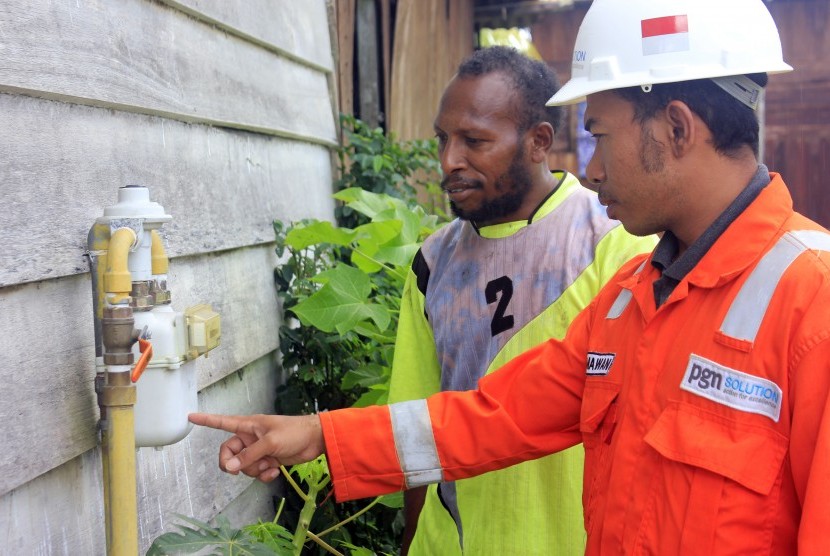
pixel 224 109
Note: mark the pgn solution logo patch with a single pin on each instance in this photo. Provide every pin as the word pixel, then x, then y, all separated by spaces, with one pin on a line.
pixel 736 389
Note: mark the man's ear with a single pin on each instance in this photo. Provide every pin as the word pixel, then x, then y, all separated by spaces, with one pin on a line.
pixel 682 127
pixel 540 140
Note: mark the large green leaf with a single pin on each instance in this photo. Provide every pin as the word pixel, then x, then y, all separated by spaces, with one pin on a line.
pixel 372 237
pixel 276 537
pixel 377 394
pixel 394 500
pixel 369 330
pixel 226 540
pixel 367 202
pixel 342 302
pixel 408 219
pixel 319 232
pixel 411 229
pixel 397 255
pixel 384 246
pixel 365 376
pixel 364 260
pixel 378 232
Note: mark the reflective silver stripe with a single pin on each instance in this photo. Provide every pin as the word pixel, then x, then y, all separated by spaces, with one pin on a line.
pixel 622 299
pixel 412 429
pixel 619 304
pixel 744 317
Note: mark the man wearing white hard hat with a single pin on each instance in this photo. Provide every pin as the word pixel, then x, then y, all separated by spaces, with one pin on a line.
pixel 698 380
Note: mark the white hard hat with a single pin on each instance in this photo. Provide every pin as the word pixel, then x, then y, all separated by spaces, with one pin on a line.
pixel 625 43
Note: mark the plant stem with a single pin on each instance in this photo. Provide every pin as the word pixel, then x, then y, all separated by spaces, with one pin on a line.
pixel 294 485
pixel 326 546
pixel 350 518
pixel 279 510
pixel 303 522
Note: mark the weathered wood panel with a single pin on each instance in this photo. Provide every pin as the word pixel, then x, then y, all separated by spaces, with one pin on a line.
pixel 421 67
pixel 293 28
pixel 797 139
pixel 554 34
pixel 61 512
pixel 798 98
pixel 803 159
pixel 145 57
pixel 345 54
pixel 431 39
pixel 385 16
pixel 368 55
pixel 47 353
pixel 63 164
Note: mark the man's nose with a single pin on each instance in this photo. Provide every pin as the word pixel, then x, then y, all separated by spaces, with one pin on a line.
pixel 595 172
pixel 452 157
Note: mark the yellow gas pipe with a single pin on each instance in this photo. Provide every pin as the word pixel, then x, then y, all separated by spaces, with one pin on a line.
pixel 158 255
pixel 117 281
pixel 99 238
pixel 116 399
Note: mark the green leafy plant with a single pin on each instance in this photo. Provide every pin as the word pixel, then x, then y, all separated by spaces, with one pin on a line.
pixel 340 289
pixel 341 316
pixel 374 161
pixel 343 283
pixel 264 538
pixel 260 539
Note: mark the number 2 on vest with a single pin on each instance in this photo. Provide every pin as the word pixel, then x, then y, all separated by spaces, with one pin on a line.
pixel 503 286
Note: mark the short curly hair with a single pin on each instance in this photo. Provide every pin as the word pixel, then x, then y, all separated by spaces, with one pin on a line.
pixel 534 81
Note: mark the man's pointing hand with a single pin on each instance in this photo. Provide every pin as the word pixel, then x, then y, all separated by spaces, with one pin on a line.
pixel 261 443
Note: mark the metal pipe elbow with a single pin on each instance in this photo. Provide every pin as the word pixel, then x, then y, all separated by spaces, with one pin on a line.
pixel 160 262
pixel 117 278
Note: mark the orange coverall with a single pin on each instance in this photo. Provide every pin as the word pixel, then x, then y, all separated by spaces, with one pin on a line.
pixel 705 422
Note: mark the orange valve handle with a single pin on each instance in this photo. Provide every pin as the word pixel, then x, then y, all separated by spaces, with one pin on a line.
pixel 146 349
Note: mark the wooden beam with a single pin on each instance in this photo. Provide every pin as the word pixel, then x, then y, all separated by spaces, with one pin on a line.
pixel 386 40
pixel 367 63
pixel 345 58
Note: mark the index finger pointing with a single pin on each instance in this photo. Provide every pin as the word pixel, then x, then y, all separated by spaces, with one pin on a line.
pixel 229 423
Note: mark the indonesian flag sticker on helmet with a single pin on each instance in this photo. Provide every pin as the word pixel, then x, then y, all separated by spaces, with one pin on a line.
pixel 665 34
pixel 626 43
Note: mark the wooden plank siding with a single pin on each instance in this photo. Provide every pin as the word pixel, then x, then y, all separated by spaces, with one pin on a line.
pixel 797 130
pixel 345 15
pixel 61 512
pixel 216 183
pixel 295 30
pixel 226 111
pixel 368 59
pixel 431 38
pixel 136 55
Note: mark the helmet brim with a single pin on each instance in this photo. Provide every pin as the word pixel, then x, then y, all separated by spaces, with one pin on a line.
pixel 578 88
